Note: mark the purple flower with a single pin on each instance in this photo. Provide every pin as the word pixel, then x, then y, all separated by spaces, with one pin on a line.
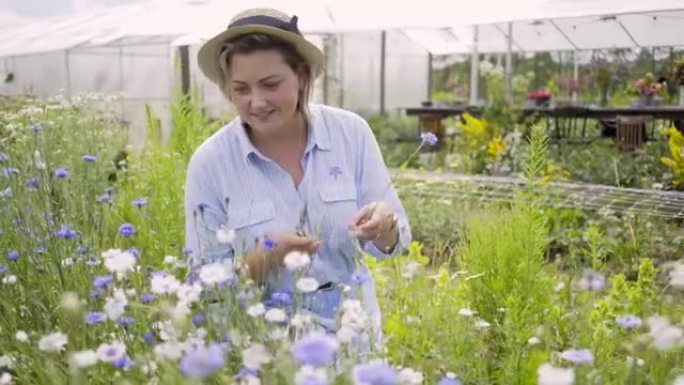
pixel 202 362
pixel 61 173
pixel 315 350
pixel 124 362
pixel 147 298
pixel 13 255
pixel 106 198
pixel 199 319
pixel 65 232
pixel 629 322
pixel 97 293
pixel 36 128
pixel 428 138
pixel 82 250
pixel 127 230
pixel 578 356
pixel 592 281
pixel 449 381
pixel 134 251
pixel 6 193
pixel 3 268
pixel 125 321
pixel 89 158
pixel 375 374
pixel 269 244
pixel 279 299
pixel 10 172
pixel 102 281
pixel 148 337
pixel 40 250
pixel 140 202
pixel 32 184
pixel 3 157
pixel 247 372
pixel 95 317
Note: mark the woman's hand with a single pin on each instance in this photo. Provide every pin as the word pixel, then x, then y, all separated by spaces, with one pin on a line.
pixel 270 253
pixel 375 221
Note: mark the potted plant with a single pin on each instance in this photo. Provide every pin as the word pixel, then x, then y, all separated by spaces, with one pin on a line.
pixel 647 90
pixel 539 98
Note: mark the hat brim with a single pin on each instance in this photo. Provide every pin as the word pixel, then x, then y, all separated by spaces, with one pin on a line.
pixel 208 55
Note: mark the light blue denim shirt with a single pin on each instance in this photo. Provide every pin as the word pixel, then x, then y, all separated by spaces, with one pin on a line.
pixel 231 184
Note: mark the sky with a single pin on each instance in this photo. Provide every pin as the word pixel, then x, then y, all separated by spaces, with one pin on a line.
pixel 46 8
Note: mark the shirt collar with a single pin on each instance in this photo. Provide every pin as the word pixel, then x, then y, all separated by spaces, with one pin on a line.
pixel 318 136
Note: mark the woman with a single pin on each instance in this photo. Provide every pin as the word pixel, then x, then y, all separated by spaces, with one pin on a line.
pixel 286 175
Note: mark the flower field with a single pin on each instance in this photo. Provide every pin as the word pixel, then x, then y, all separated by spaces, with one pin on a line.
pixel 95 290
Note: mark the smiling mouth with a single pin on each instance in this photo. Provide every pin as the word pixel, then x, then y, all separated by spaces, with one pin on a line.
pixel 263 115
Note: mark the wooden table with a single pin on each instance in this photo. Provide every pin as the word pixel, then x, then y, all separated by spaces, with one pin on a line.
pixel 431 117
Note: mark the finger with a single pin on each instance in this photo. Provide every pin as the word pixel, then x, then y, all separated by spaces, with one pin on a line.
pixel 363 214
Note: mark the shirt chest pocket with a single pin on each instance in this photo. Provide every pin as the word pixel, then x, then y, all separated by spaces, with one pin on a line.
pixel 339 204
pixel 251 222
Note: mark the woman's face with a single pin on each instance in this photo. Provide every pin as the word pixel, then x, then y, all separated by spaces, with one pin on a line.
pixel 264 89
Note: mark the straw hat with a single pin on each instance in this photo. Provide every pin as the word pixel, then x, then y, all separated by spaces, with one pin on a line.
pixel 258 20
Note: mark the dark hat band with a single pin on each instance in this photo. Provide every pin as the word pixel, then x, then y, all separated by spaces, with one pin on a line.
pixel 268 21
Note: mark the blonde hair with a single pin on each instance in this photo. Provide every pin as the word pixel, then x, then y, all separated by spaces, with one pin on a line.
pixel 262 42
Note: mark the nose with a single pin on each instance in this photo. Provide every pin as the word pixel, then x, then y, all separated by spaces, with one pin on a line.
pixel 258 100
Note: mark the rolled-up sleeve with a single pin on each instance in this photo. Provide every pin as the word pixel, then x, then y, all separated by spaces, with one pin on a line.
pixel 374 184
pixel 204 216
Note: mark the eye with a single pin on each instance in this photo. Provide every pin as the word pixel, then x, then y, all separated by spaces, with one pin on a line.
pixel 271 85
pixel 240 90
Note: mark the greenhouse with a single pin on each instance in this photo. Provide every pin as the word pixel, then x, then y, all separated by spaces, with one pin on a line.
pixel 343 192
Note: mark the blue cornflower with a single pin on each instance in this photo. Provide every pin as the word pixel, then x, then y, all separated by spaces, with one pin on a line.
pixel 140 202
pixel 428 138
pixel 13 255
pixel 147 298
pixel 3 157
pixel 65 232
pixel 202 361
pixel 61 173
pixel 578 356
pixel 375 374
pixel 449 381
pixel 89 158
pixel 95 317
pixel 97 292
pixel 102 281
pixel 105 198
pixel 125 321
pixel 10 172
pixel 279 299
pixel 315 350
pixel 124 362
pixel 127 230
pixel 36 128
pixel 3 268
pixel 32 184
pixel 148 337
pixel 247 372
pixel 629 322
pixel 40 250
pixel 134 251
pixel 269 244
pixel 199 319
pixel 6 193
pixel 82 250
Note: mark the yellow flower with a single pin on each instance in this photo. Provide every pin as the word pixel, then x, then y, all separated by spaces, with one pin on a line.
pixel 496 147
